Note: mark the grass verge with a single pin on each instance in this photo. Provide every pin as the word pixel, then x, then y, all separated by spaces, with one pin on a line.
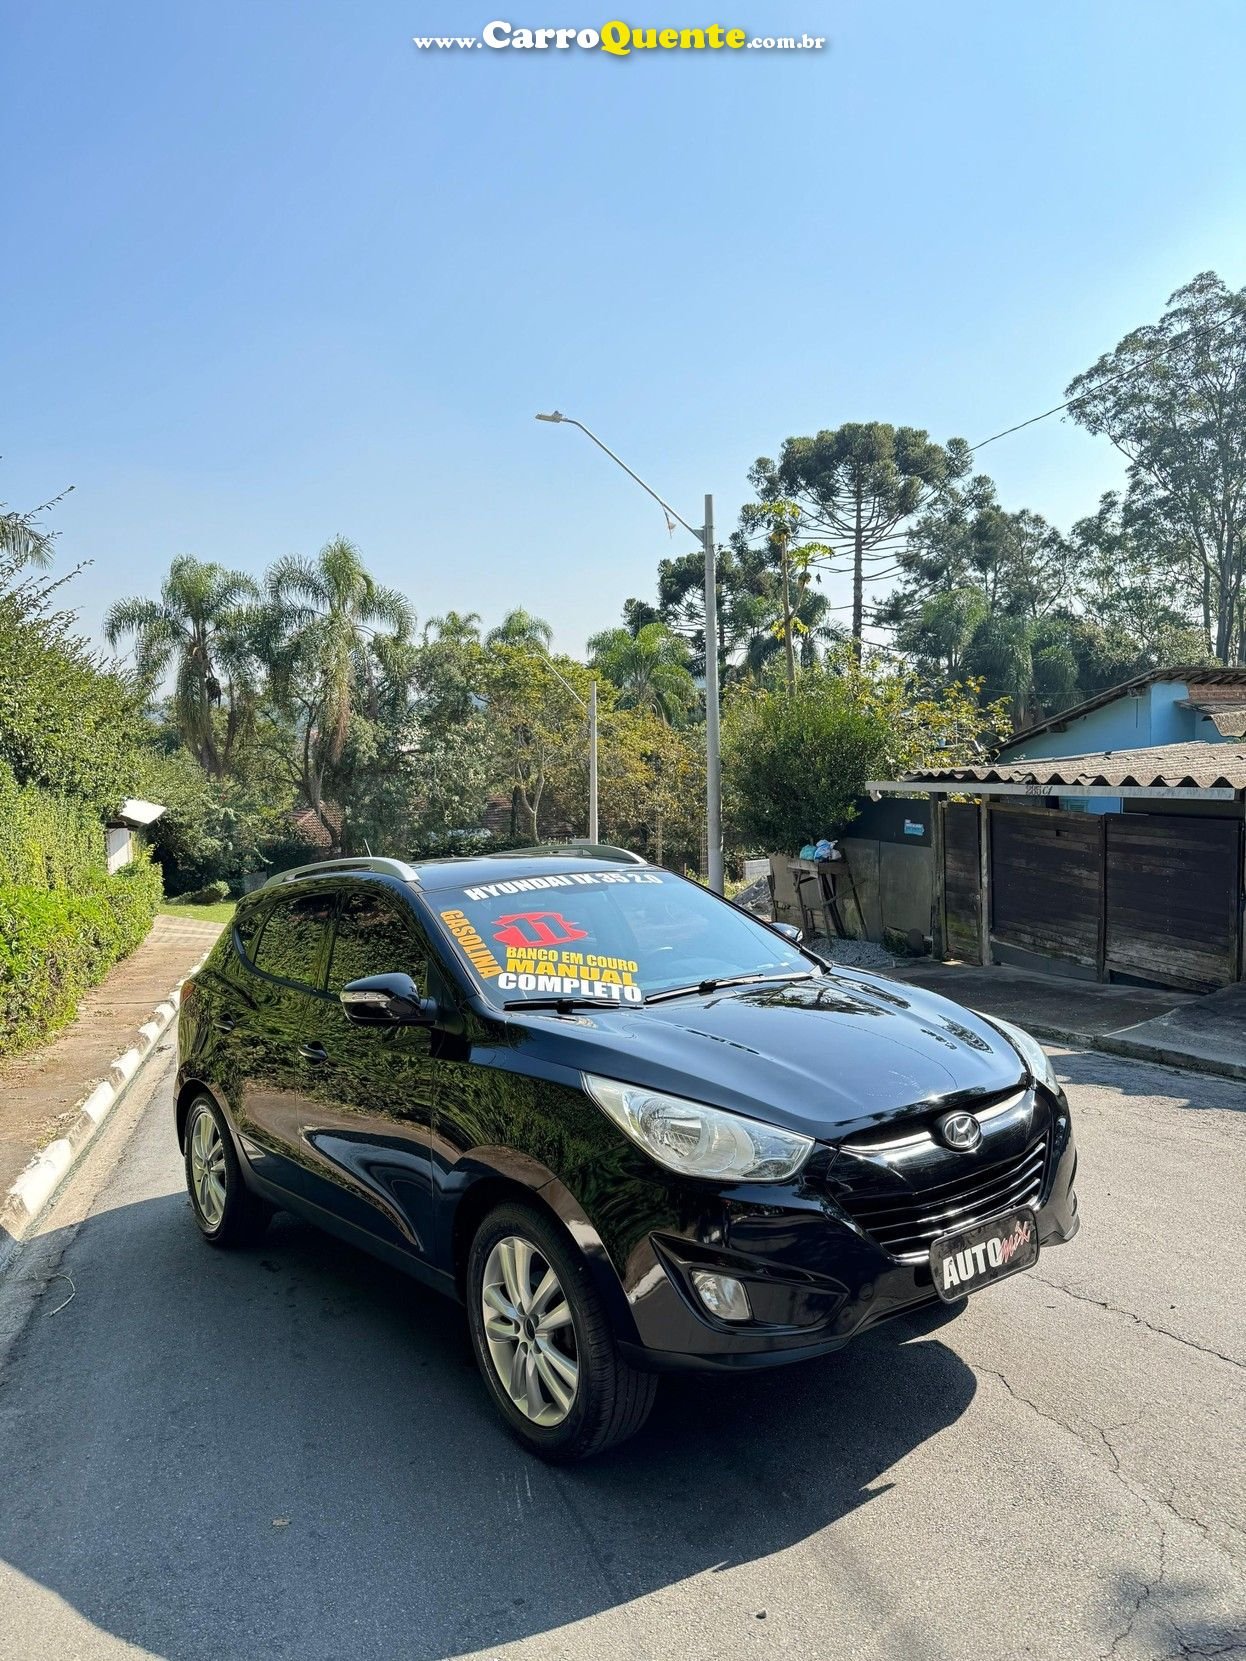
pixel 221 911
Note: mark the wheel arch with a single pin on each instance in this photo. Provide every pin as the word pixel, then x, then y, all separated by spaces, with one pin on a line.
pixel 525 1181
pixel 188 1090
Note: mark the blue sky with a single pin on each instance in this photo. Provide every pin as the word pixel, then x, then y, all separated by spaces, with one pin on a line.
pixel 273 274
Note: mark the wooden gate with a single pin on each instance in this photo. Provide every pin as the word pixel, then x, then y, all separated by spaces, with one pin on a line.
pixel 1047 882
pixel 962 908
pixel 1173 898
pixel 1153 896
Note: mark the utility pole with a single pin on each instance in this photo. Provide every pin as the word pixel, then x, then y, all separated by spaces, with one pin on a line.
pixel 713 758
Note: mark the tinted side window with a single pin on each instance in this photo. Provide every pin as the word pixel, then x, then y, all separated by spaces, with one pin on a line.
pixel 373 938
pixel 289 945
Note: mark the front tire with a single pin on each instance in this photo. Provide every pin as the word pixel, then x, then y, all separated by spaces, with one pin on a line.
pixel 544 1342
pixel 227 1213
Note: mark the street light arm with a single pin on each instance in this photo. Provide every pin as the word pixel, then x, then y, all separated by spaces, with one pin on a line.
pixel 571 689
pixel 618 460
pixel 713 774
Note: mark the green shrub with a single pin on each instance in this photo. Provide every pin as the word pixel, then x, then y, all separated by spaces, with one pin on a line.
pixel 71 741
pixel 56 943
pixel 47 841
pixel 212 894
pixel 133 896
pixel 66 723
pixel 794 763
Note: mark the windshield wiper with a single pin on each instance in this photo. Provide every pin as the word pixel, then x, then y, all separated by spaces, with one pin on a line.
pixel 564 1006
pixel 704 987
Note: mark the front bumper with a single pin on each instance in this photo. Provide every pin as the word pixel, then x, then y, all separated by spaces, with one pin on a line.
pixel 814 1278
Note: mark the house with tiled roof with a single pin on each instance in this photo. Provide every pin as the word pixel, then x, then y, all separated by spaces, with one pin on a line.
pixel 1178 705
pixel 1106 842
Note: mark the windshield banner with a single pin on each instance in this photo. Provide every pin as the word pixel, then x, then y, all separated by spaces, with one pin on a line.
pixel 541 951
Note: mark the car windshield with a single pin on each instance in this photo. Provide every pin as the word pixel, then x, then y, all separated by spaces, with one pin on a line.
pixel 609 937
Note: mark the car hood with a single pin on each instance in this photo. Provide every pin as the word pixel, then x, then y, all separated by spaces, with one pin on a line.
pixel 827 1056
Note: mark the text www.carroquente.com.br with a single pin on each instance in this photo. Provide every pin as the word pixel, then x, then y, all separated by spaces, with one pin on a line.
pixel 618 39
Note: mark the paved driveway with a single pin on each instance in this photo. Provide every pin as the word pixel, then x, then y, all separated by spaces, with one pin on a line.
pixel 286 1452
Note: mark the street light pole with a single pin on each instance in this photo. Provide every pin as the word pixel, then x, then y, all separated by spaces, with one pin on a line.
pixel 713 759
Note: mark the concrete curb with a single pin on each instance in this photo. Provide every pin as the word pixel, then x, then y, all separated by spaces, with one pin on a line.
pixel 30 1194
pixel 1132 1050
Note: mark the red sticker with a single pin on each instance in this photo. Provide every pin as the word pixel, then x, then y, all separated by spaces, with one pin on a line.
pixel 537 928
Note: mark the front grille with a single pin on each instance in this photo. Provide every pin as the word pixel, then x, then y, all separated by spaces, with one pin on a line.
pixel 904 1222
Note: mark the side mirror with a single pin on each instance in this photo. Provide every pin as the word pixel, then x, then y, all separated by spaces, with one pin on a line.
pixel 387 1001
pixel 789 931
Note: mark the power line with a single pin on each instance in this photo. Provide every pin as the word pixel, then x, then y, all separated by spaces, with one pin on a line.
pixel 1123 374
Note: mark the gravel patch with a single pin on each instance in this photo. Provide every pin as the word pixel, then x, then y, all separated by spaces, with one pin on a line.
pixel 853 954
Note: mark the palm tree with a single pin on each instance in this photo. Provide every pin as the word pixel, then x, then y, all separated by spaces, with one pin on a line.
pixel 456 628
pixel 811 630
pixel 201 628
pixel 650 669
pixel 322 617
pixel 521 628
pixel 1029 661
pixel 23 540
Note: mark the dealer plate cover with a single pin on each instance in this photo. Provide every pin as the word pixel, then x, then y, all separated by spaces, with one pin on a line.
pixel 970 1258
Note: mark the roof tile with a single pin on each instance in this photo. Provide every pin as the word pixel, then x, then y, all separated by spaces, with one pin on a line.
pixel 1197 765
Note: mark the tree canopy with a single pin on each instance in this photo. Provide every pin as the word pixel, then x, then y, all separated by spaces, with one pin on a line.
pixel 856 484
pixel 1171 396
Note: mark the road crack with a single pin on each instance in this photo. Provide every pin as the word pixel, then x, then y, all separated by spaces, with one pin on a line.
pixel 1103 1449
pixel 1148 1588
pixel 1141 1320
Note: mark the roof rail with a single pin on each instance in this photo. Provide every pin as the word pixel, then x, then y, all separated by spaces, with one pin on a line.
pixel 333 867
pixel 581 850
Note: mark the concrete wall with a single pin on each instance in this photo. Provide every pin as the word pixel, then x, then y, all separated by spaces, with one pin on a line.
pixel 119 846
pixel 785 908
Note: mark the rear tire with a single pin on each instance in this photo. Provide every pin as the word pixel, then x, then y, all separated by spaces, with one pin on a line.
pixel 544 1342
pixel 227 1213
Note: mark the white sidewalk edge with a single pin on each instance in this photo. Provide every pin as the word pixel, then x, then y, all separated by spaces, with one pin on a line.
pixel 29 1195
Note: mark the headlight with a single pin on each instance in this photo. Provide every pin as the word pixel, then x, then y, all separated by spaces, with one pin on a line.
pixel 1029 1049
pixel 696 1140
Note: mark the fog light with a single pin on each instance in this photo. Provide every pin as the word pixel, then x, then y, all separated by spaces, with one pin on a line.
pixel 722 1295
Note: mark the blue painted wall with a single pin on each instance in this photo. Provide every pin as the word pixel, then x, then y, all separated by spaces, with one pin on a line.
pixel 1127 723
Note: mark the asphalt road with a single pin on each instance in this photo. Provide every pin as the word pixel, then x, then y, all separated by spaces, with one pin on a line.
pixel 286 1452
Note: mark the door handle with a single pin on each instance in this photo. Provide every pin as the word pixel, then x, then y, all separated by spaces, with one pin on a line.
pixel 315 1053
pixel 225 1023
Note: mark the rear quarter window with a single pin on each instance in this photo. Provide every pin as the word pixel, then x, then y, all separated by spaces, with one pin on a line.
pixel 247 920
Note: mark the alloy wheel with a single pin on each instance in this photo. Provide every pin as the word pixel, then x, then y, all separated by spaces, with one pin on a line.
pixel 529 1331
pixel 207 1168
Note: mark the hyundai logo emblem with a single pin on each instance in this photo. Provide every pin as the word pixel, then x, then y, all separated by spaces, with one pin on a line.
pixel 960 1131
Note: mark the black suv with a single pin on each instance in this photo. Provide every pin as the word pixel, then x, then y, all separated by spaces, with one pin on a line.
pixel 629 1125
